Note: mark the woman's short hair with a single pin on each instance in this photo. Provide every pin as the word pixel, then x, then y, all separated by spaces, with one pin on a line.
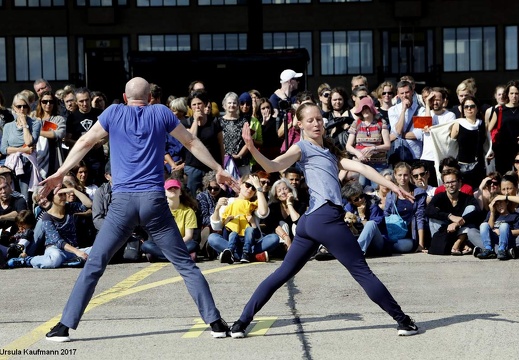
pixel 208 177
pixel 228 96
pixel 272 193
pixel 179 104
pixel 381 87
pixel 22 97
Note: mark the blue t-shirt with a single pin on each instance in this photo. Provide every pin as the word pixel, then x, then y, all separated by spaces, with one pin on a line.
pixel 137 140
pixel 321 174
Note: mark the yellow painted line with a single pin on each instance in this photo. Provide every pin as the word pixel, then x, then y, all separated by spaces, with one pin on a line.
pixel 263 325
pixel 123 288
pixel 197 329
pixel 35 335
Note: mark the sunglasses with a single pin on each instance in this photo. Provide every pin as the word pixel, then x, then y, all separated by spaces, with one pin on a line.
pixel 387 93
pixel 213 188
pixel 362 97
pixel 21 106
pixel 473 106
pixel 325 94
pixel 492 183
pixel 265 182
pixel 45 102
pixel 356 86
pixel 422 174
pixel 249 186
pixel 516 161
pixel 357 199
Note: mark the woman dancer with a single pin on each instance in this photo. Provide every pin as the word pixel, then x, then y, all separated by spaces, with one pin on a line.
pixel 320 162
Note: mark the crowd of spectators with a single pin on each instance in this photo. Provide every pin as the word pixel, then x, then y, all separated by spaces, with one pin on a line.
pixel 461 162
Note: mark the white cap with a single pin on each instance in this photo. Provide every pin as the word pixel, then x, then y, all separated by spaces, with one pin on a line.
pixel 288 75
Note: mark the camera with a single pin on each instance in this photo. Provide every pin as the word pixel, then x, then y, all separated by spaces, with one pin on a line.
pixel 284 105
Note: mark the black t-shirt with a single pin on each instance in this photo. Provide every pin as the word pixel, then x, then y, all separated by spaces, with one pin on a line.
pixel 15 204
pixel 78 124
pixel 208 134
pixel 5 117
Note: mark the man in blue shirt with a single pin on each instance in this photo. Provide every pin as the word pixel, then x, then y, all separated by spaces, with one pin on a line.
pixel 136 132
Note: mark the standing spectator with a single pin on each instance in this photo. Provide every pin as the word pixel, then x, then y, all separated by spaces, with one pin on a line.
pixel 506 146
pixel 466 88
pixel 233 144
pixel 368 139
pixel 434 108
pixel 19 140
pixel 210 134
pixel 385 94
pixel 339 117
pixel 156 94
pixel 323 91
pixel 473 142
pixel 289 84
pixel 99 100
pixel 255 97
pixel 401 120
pixel 78 123
pixel 271 141
pixel 53 129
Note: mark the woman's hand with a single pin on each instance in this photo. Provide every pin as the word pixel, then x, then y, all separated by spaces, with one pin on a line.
pixel 401 193
pixel 290 199
pixel 255 181
pixel 247 137
pixel 81 254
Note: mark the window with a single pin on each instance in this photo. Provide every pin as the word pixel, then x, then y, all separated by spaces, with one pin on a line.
pixel 511 43
pixel 41 57
pixel 216 42
pixel 164 42
pixel 341 1
pixel 101 3
pixel 346 52
pixel 290 40
pixel 469 49
pixel 38 3
pixel 286 2
pixel 219 2
pixel 3 62
pixel 145 3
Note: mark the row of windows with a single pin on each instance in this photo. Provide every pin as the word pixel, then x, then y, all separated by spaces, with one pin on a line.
pixel 341 52
pixel 160 3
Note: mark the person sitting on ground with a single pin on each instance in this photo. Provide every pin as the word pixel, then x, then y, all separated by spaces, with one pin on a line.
pixel 23 240
pixel 368 218
pixel 420 177
pixel 451 163
pixel 10 206
pixel 284 212
pixel 501 228
pixel 489 187
pixel 182 207
pixel 381 191
pixel 59 231
pixel 413 213
pixel 236 218
pixel 455 214
pixel 81 172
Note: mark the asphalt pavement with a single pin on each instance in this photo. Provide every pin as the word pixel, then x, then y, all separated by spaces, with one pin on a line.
pixel 465 308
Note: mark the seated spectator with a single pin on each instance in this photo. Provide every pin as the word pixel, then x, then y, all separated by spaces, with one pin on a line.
pixel 10 206
pixel 265 182
pixel 489 187
pixel 501 228
pixel 382 191
pixel 60 234
pixel 420 177
pixel 366 216
pixel 207 200
pixel 81 172
pixel 453 218
pixel 295 178
pixel 413 213
pixel 24 238
pixel 451 163
pixel 237 218
pixel 182 207
pixel 284 212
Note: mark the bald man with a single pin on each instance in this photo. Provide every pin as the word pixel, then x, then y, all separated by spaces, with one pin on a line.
pixel 136 133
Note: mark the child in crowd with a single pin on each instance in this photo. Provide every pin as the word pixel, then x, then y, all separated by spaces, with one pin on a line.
pixel 24 238
pixel 236 215
pixel 501 227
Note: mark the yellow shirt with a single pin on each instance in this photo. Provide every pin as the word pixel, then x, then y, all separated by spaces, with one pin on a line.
pixel 240 208
pixel 185 218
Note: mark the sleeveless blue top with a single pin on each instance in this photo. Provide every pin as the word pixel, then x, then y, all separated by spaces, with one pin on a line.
pixel 321 172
